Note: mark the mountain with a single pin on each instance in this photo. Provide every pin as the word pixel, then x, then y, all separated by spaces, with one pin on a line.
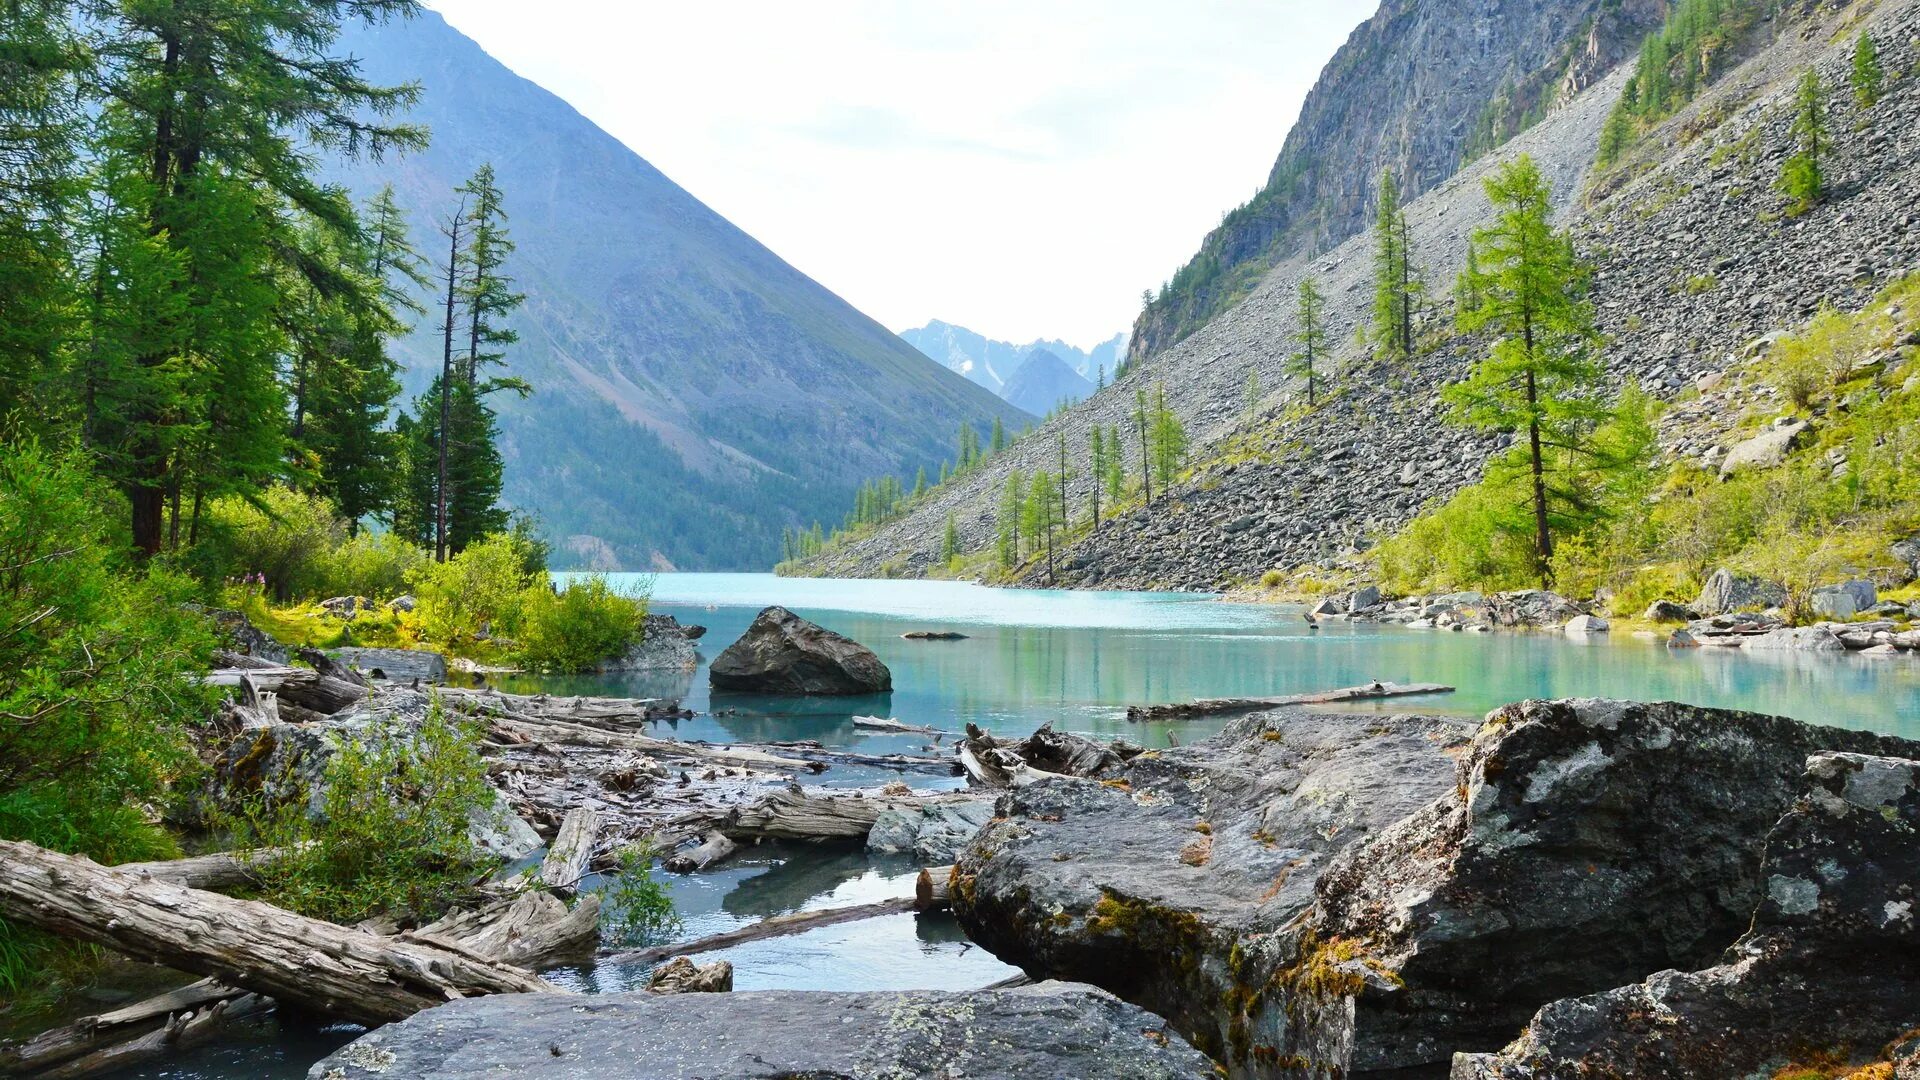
pixel 1420 88
pixel 992 363
pixel 1696 262
pixel 693 392
pixel 1044 383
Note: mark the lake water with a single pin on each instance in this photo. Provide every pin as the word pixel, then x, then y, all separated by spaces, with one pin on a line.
pixel 1075 660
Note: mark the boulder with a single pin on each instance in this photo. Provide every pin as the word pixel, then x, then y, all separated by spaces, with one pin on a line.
pixel 934 833
pixel 1584 845
pixel 1174 881
pixel 1048 1030
pixel 1667 611
pixel 664 645
pixel 395 665
pixel 402 604
pixel 1830 965
pixel 1726 592
pixel 1908 552
pixel 1364 598
pixel 782 653
pixel 245 638
pixel 1766 450
pixel 1795 639
pixel 1330 606
pixel 1587 624
pixel 682 976
pixel 346 607
pixel 1845 600
pixel 1533 607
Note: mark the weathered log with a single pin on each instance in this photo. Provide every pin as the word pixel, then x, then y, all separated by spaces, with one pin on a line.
pixel 770 927
pixel 176 1032
pixel 889 724
pixel 715 847
pixel 797 814
pixel 302 686
pixel 531 930
pixel 996 767
pixel 535 729
pixel 808 750
pixel 218 872
pixel 331 969
pixel 1230 706
pixel 932 890
pixel 91 1034
pixel 617 714
pixel 572 849
pixel 682 976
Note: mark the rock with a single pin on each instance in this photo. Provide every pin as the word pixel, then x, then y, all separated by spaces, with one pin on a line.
pixel 246 638
pixel 395 665
pixel 346 607
pixel 694 631
pixel 1766 450
pixel 1726 592
pixel 1587 624
pixel 933 635
pixel 1533 607
pixel 682 976
pixel 1101 881
pixel 1795 639
pixel 1845 600
pixel 1829 962
pixel 1364 598
pixel 781 653
pixel 1584 845
pixel 934 834
pixel 1667 611
pixel 402 603
pixel 1683 639
pixel 1329 606
pixel 1908 552
pixel 663 646
pixel 1048 1030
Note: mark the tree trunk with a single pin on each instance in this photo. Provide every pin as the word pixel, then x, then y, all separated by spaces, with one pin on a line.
pixel 1543 537
pixel 770 927
pixel 713 849
pixel 343 972
pixel 932 890
pixel 446 388
pixel 572 849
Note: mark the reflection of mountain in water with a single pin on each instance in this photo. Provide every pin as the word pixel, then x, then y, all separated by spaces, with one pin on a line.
pixel 808 873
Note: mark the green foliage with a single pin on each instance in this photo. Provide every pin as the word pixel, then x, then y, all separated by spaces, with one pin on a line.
pixel 1013 501
pixel 475 596
pixel 1822 356
pixel 1801 180
pixel 374 565
pixel 390 833
pixel 1166 440
pixel 1697 44
pixel 281 534
pixel 1397 288
pixel 950 541
pixel 1312 337
pixel 634 906
pixel 579 626
pixel 1868 75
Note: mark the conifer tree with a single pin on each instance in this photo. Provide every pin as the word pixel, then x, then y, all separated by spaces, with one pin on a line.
pixel 1540 381
pixel 1868 75
pixel 1042 514
pixel 1253 393
pixel 999 437
pixel 1616 134
pixel 1397 284
pixel 1168 438
pixel 1013 501
pixel 1096 468
pixel 1801 180
pixel 1143 426
pixel 1116 474
pixel 1063 477
pixel 920 482
pixel 1312 338
pixel 950 541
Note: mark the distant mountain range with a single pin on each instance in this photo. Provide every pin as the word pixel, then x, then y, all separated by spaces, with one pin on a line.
pixel 694 392
pixel 1043 383
pixel 993 364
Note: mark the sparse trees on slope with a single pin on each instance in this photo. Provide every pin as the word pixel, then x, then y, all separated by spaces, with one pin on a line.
pixel 1312 337
pixel 1042 514
pixel 1801 180
pixel 1397 285
pixel 998 440
pixel 1097 468
pixel 1867 72
pixel 1167 439
pixel 1540 380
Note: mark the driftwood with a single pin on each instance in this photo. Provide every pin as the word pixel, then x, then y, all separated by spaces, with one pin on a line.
pixel 887 723
pixel 1230 706
pixel 770 927
pixel 932 890
pixel 934 635
pixel 173 1033
pixel 713 848
pixel 304 687
pixel 90 1038
pixel 682 976
pixel 618 714
pixel 525 729
pixel 246 944
pixel 530 930
pixel 796 814
pixel 572 849
pixel 218 872
pixel 811 750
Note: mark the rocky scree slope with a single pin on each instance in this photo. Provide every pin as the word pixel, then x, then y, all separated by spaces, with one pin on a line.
pixel 1412 90
pixel 1694 258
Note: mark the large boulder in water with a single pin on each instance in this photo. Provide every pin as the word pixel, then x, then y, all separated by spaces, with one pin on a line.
pixel 1049 1030
pixel 782 653
pixel 1831 964
pixel 1174 880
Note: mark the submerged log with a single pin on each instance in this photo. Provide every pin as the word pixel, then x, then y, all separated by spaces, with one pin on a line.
pixel 888 723
pixel 1232 706
pixel 89 1036
pixel 770 927
pixel 572 849
pixel 174 1033
pixel 715 847
pixel 248 944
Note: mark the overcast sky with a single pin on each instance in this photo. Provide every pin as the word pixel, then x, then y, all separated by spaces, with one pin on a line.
pixel 1020 167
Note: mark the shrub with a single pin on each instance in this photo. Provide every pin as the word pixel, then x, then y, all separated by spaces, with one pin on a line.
pixel 370 565
pixel 283 534
pixel 579 626
pixel 392 832
pixel 477 595
pixel 1272 579
pixel 635 908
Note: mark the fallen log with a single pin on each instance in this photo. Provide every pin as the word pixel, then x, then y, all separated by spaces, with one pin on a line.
pixel 924 764
pixel 770 927
pixel 304 687
pixel 932 890
pixel 994 762
pixel 715 847
pixel 177 1032
pixel 572 849
pixel 934 635
pixel 524 729
pixel 530 930
pixel 797 814
pixel 332 969
pixel 889 724
pixel 1231 706
pixel 591 711
pixel 218 872
pixel 90 1035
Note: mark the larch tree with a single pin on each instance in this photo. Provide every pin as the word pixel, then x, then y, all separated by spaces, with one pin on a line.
pixel 1801 179
pixel 1143 426
pixel 1540 381
pixel 1096 468
pixel 1868 75
pixel 1397 286
pixel 1312 336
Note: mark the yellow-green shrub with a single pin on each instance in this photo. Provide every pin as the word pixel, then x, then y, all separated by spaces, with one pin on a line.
pixel 579 626
pixel 478 594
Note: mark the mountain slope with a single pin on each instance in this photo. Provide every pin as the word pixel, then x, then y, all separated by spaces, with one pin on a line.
pixel 1416 89
pixel 992 363
pixel 1044 383
pixel 694 393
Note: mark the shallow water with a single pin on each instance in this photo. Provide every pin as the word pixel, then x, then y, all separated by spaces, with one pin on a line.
pixel 1075 660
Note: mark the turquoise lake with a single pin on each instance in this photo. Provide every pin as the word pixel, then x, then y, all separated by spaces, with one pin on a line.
pixel 1075 660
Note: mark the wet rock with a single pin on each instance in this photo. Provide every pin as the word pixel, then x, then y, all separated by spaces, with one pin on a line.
pixel 1584 845
pixel 1174 880
pixel 394 665
pixel 1726 592
pixel 1587 624
pixel 781 653
pixel 1049 1030
pixel 1831 963
pixel 1667 611
pixel 934 834
pixel 664 645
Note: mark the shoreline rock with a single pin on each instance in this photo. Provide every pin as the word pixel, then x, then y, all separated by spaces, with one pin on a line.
pixel 782 653
pixel 664 645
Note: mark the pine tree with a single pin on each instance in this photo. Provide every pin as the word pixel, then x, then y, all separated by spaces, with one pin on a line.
pixel 1541 380
pixel 1868 75
pixel 1801 180
pixel 487 295
pixel 1116 474
pixel 950 541
pixel 1616 134
pixel 1064 478
pixel 1253 393
pixel 1312 337
pixel 1169 440
pixel 1096 468
pixel 999 437
pixel 1397 285
pixel 920 482
pixel 1143 425
pixel 1013 500
pixel 1042 515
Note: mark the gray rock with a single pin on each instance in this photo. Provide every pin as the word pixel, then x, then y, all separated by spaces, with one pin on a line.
pixel 1330 606
pixel 1175 883
pixel 1829 961
pixel 1045 1031
pixel 1587 624
pixel 245 638
pixel 1584 845
pixel 1667 611
pixel 933 834
pixel 1767 450
pixel 664 645
pixel 1533 607
pixel 346 607
pixel 1795 639
pixel 1364 598
pixel 395 665
pixel 402 603
pixel 1726 592
pixel 781 653
pixel 1908 552
pixel 1845 600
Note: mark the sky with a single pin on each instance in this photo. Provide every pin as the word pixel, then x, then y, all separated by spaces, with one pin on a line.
pixel 1024 168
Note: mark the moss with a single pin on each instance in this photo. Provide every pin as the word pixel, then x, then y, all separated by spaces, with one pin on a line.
pixel 1203 828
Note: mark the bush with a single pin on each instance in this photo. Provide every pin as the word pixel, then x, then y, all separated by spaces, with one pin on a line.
pixel 635 908
pixel 475 596
pixel 392 833
pixel 1272 579
pixel 579 626
pixel 370 565
pixel 284 535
